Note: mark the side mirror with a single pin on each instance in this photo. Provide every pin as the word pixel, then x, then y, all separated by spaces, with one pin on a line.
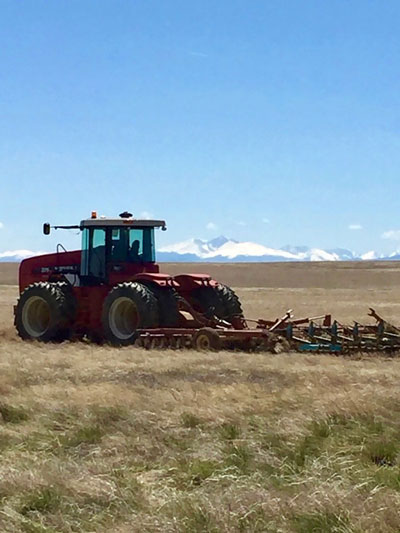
pixel 46 228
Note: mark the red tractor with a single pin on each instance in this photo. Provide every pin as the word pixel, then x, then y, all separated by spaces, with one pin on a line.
pixel 112 288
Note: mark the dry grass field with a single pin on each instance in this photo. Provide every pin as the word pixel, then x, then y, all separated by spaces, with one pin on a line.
pixel 95 439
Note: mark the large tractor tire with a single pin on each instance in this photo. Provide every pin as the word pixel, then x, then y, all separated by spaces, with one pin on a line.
pixel 71 305
pixel 128 307
pixel 168 306
pixel 44 312
pixel 220 301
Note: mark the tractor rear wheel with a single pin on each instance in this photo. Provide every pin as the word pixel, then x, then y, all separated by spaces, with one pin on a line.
pixel 128 307
pixel 44 312
pixel 168 306
pixel 220 301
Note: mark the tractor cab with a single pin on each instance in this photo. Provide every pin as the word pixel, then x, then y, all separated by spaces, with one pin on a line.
pixel 113 250
pixel 113 245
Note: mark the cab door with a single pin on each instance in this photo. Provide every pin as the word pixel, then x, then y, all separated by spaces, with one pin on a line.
pixel 93 264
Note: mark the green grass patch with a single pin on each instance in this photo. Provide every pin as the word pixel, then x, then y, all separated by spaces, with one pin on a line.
pixel 356 428
pixel 199 470
pixel 229 431
pixel 189 420
pixel 321 428
pixel 126 481
pixel 308 447
pixel 86 434
pixel 32 526
pixel 239 457
pixel 388 477
pixel 199 520
pixel 103 416
pixel 189 473
pixel 176 443
pixel 257 521
pixel 193 517
pixel 43 500
pixel 13 415
pixel 109 415
pixel 69 428
pixel 321 522
pixel 276 443
pixel 6 441
pixel 359 436
pixel 382 451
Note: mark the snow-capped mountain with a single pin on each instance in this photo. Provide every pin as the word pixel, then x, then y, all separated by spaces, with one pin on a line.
pixel 17 255
pixel 221 249
pixel 371 256
pixel 224 250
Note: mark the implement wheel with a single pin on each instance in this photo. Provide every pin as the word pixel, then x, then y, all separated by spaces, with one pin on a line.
pixel 207 340
pixel 44 312
pixel 127 308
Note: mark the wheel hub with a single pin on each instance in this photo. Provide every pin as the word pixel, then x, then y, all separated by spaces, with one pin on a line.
pixel 123 318
pixel 36 316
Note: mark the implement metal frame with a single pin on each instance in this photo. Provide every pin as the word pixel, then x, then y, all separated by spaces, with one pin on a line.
pixel 312 334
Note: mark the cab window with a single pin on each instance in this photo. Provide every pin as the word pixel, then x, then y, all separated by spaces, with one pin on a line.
pixel 94 252
pixel 132 245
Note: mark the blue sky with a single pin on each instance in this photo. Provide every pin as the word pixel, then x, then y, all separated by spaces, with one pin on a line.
pixel 276 121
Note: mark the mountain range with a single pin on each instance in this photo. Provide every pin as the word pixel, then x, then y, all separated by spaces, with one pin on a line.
pixel 16 256
pixel 222 249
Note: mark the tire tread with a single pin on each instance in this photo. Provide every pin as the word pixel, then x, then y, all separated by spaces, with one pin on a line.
pixel 145 301
pixel 61 304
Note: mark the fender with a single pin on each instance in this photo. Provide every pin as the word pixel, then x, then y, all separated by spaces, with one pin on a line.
pixel 162 280
pixel 43 267
pixel 189 282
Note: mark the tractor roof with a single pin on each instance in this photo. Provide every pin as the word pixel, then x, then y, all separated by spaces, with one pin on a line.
pixel 122 222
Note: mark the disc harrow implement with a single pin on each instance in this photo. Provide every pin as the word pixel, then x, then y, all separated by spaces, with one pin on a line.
pixel 312 334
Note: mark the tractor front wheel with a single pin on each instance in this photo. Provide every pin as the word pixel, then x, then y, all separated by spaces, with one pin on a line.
pixel 127 308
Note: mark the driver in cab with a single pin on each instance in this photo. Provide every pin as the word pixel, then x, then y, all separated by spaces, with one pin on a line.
pixel 133 254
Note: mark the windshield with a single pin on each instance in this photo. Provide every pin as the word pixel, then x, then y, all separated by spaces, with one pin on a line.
pixel 132 245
